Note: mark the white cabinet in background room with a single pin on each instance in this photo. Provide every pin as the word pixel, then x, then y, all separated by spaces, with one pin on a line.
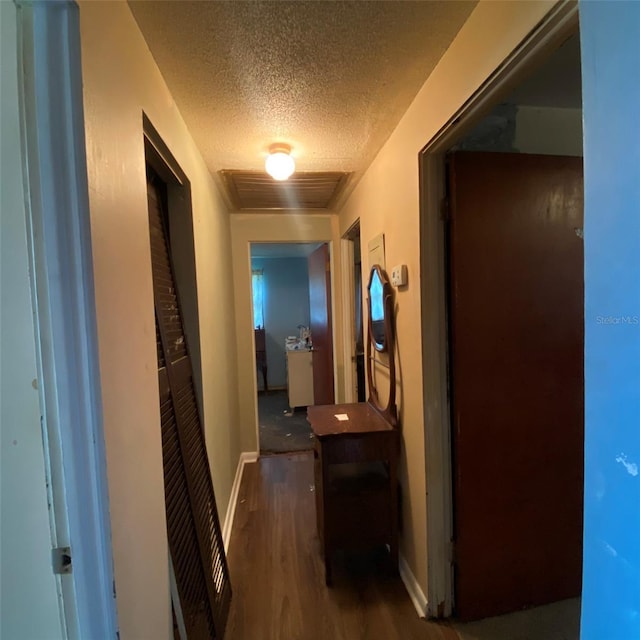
pixel 300 378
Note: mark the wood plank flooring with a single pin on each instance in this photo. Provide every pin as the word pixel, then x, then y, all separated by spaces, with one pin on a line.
pixel 277 571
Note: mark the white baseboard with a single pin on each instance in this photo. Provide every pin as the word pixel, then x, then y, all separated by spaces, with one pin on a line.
pixel 413 588
pixel 245 458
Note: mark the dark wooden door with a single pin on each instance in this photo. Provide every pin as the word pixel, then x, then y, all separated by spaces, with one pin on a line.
pixel 321 331
pixel 193 526
pixel 516 322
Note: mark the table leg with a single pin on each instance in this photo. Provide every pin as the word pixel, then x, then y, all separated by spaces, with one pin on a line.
pixel 393 499
pixel 328 576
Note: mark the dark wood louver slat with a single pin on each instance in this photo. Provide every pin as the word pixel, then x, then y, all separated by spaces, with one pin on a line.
pixel 182 536
pixel 159 350
pixel 194 533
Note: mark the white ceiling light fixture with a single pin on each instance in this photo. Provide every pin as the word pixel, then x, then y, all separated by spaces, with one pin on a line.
pixel 279 163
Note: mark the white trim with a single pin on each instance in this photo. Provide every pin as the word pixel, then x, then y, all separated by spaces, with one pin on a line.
pixel 246 457
pixel 558 24
pixel 348 319
pixel 435 385
pixel 333 294
pixel 254 378
pixel 413 588
pixel 57 203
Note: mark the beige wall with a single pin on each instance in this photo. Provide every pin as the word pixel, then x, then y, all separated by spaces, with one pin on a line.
pixel 275 227
pixel 387 201
pixel 121 81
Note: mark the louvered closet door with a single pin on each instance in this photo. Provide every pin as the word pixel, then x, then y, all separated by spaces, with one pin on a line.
pixel 195 538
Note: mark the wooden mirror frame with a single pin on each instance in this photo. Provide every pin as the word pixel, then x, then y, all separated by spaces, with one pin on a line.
pixel 389 412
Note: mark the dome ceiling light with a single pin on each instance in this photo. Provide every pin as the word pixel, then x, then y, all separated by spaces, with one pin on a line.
pixel 279 163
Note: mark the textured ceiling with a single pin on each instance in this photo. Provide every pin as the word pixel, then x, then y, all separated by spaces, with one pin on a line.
pixel 331 78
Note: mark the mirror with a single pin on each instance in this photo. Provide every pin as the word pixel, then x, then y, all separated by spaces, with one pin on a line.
pixel 382 340
pixel 376 296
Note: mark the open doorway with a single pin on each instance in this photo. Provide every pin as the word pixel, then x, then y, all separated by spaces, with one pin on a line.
pixel 354 331
pixel 292 325
pixel 516 337
pixel 512 361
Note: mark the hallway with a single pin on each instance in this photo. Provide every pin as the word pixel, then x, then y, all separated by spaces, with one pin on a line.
pixel 277 571
pixel 366 98
pixel 277 574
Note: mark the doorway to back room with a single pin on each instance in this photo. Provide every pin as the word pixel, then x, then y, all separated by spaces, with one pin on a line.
pixel 293 336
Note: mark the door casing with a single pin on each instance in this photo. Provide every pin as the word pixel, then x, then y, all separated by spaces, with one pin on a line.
pixel 348 315
pixel 59 237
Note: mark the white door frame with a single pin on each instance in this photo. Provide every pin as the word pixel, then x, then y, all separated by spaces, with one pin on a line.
pixel 348 278
pixel 57 203
pixel 348 319
pixel 559 24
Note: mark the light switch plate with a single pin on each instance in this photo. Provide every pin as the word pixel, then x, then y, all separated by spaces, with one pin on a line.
pixel 399 275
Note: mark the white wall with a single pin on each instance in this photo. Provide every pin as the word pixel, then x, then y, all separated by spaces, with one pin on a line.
pixel 121 80
pixel 275 227
pixel 28 599
pixel 387 201
pixel 549 131
pixel 525 129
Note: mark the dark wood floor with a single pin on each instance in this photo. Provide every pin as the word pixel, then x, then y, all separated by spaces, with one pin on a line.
pixel 278 574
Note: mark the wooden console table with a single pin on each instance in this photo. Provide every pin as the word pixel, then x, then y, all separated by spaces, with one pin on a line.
pixel 356 479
